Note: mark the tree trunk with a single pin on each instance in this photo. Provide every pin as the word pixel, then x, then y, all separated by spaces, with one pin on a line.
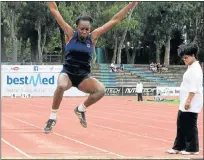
pixel 120 47
pixel 132 61
pixel 115 49
pixel 62 37
pixel 33 49
pixel 43 41
pixel 196 30
pixel 14 39
pixel 40 60
pixel 15 51
pixel 158 52
pixel 123 38
pixel 167 51
pixel 23 49
pixel 127 53
pixel 3 49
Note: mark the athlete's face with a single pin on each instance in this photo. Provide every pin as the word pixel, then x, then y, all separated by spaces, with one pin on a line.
pixel 84 28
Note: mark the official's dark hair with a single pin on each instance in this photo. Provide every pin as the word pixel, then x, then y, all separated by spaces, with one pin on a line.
pixel 84 18
pixel 188 49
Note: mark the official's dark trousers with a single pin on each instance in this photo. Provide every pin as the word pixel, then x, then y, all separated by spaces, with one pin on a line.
pixel 187 132
pixel 139 96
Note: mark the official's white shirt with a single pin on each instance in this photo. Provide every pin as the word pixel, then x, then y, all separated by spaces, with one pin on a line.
pixel 192 82
pixel 139 88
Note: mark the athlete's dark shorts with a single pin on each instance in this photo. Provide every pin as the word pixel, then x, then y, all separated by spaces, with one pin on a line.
pixel 75 79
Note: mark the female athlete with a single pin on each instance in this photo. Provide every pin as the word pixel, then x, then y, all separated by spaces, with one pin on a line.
pixel 77 64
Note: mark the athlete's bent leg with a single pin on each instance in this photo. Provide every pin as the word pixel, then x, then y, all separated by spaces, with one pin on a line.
pixel 63 84
pixel 96 90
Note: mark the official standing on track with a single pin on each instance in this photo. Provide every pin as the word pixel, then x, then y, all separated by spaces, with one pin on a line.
pixel 191 103
pixel 139 89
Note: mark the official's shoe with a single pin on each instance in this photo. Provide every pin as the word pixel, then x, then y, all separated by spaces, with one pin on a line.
pixel 172 151
pixel 189 153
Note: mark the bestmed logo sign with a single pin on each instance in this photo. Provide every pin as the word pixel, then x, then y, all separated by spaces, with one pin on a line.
pixel 30 80
pixel 41 82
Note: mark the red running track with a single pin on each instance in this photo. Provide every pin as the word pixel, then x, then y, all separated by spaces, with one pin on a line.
pixel 118 127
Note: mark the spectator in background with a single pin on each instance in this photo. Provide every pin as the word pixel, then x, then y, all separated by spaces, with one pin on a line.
pixel 153 67
pixel 118 69
pixel 139 89
pixel 159 67
pixel 121 67
pixel 191 103
pixel 113 68
pixel 164 68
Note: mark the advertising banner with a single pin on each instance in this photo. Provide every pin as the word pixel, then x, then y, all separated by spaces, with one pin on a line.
pixel 113 91
pixel 147 91
pixel 129 91
pixel 41 80
pixel 33 83
pixel 168 91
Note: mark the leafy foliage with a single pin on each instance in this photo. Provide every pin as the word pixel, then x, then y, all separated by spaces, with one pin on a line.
pixel 148 29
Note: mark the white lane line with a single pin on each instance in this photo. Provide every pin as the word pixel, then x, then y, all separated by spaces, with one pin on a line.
pixel 17 149
pixel 103 150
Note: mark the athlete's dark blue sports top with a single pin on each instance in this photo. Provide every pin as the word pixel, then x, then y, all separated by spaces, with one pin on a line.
pixel 78 55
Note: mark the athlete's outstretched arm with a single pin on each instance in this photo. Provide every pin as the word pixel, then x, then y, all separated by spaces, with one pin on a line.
pixel 68 30
pixel 116 19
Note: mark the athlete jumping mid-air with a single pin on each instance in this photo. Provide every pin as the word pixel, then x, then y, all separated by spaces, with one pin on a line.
pixel 77 64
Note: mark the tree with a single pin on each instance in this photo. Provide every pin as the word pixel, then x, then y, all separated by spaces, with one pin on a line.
pixel 36 23
pixel 11 11
pixel 5 32
pixel 30 27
